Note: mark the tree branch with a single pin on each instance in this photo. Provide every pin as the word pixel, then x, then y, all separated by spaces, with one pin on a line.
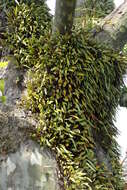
pixel 114 28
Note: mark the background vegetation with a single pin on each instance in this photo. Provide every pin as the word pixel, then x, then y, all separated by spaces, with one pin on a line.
pixel 88 13
pixel 74 88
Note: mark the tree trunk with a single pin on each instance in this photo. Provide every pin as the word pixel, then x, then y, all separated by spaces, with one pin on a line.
pixel 79 5
pixel 23 163
pixel 114 28
pixel 64 16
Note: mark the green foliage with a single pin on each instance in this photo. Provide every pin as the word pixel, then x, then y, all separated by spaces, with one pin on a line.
pixel 125 49
pixel 2 83
pixel 6 4
pixel 2 86
pixel 3 64
pixel 27 24
pixel 75 87
pixel 2 97
pixel 90 11
pixel 96 8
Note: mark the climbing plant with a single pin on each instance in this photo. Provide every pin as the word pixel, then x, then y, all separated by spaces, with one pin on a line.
pixel 28 21
pixel 75 88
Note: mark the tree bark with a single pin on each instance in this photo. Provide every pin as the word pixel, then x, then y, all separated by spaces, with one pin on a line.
pixel 114 28
pixel 64 16
pixel 79 5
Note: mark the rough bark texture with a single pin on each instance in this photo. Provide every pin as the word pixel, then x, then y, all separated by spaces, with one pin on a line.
pixel 30 167
pixel 64 16
pixel 79 5
pixel 24 165
pixel 114 28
